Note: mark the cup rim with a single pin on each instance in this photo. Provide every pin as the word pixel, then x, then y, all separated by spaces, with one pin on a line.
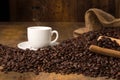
pixel 39 27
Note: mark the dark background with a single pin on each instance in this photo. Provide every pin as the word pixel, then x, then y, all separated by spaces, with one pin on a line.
pixel 4 10
pixel 53 10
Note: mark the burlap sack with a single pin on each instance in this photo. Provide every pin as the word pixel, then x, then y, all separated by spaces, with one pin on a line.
pixel 95 19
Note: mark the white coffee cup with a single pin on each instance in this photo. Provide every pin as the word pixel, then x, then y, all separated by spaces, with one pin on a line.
pixel 40 36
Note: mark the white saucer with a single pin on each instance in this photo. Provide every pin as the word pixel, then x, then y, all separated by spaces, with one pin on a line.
pixel 25 45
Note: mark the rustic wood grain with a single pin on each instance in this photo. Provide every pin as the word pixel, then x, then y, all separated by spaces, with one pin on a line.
pixel 13 10
pixel 82 7
pixel 101 4
pixel 111 9
pixel 24 10
pixel 54 9
pixel 21 10
pixel 58 10
pixel 117 7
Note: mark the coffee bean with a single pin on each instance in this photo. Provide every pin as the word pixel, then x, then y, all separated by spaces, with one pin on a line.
pixel 70 56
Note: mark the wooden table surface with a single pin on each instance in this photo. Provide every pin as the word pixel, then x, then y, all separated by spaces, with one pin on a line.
pixel 13 33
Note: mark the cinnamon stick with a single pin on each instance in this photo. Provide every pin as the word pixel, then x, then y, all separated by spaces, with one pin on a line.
pixel 104 51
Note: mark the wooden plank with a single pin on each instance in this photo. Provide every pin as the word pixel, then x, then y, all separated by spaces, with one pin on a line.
pixel 58 10
pixel 111 7
pixel 13 9
pixel 24 10
pixel 40 10
pixel 100 4
pixel 117 8
pixel 69 10
pixel 82 7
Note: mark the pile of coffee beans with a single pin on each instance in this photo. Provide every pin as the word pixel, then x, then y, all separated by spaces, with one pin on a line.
pixel 70 56
pixel 108 43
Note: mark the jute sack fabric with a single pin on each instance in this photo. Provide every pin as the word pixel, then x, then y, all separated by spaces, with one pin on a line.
pixel 95 19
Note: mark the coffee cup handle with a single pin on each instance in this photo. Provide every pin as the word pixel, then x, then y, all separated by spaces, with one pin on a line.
pixel 56 32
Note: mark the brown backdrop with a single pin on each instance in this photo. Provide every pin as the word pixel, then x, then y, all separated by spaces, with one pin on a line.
pixel 58 10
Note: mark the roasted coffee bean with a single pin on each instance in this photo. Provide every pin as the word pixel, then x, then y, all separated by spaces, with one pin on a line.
pixel 70 56
pixel 108 43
